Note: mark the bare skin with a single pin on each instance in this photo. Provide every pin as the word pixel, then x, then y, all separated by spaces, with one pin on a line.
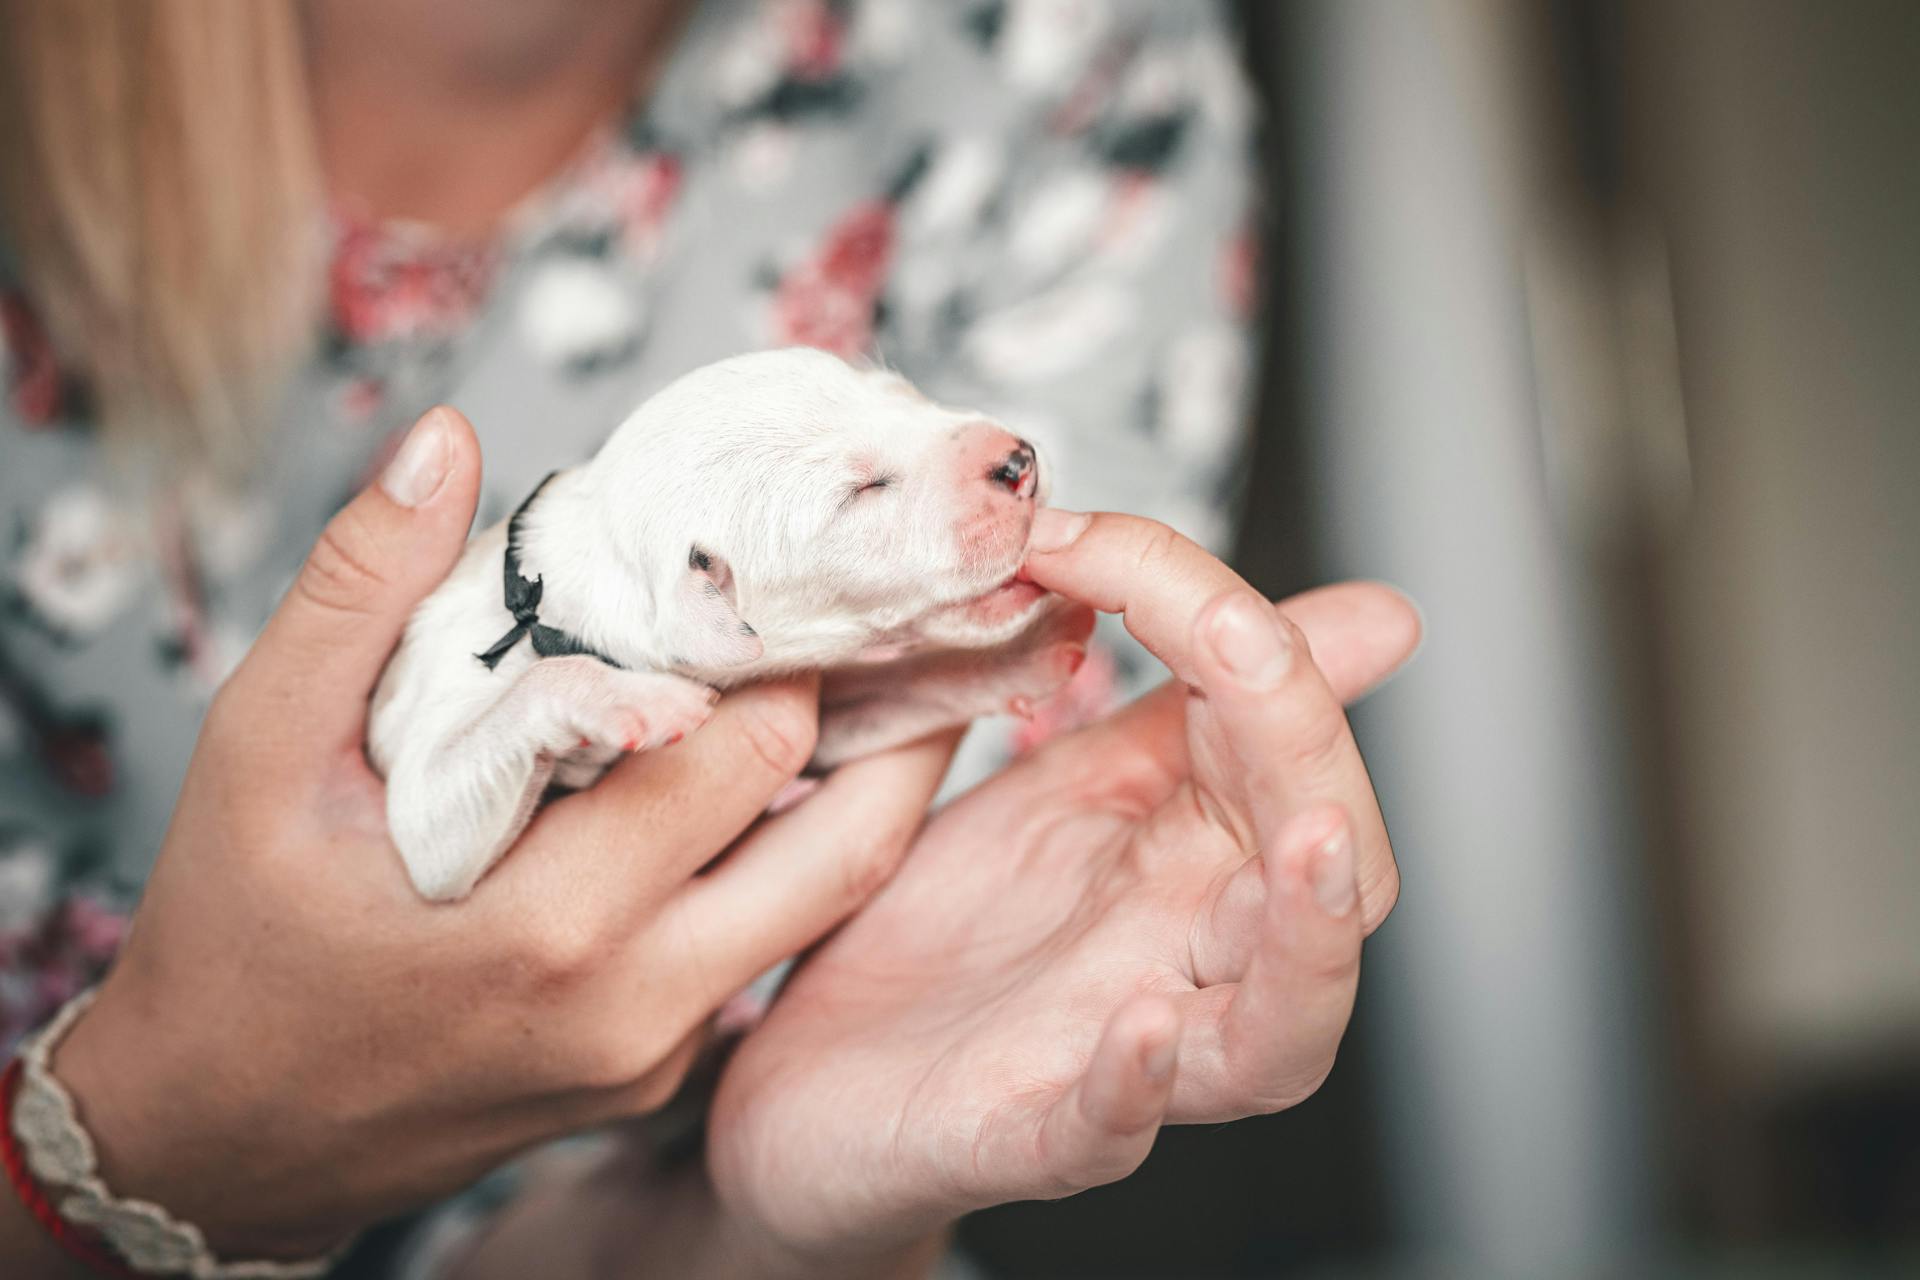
pixel 1155 920
pixel 283 981
pixel 449 112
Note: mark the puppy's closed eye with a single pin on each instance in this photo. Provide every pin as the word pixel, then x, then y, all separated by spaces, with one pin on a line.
pixel 866 486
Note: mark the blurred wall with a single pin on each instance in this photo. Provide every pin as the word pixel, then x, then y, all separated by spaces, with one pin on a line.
pixel 1779 145
pixel 1595 324
pixel 1783 150
pixel 1506 1000
pixel 1609 313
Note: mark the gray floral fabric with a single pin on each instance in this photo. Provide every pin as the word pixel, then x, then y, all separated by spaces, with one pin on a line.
pixel 1037 207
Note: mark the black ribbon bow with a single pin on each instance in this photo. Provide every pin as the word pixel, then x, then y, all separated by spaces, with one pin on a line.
pixel 523 602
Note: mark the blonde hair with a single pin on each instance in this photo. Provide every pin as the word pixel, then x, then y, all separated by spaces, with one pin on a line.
pixel 160 201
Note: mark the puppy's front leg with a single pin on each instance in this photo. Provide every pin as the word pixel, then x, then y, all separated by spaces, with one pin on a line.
pixel 864 710
pixel 455 806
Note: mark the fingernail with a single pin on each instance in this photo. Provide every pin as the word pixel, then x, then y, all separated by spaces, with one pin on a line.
pixel 1249 641
pixel 1330 872
pixel 1054 530
pixel 420 466
pixel 1157 1062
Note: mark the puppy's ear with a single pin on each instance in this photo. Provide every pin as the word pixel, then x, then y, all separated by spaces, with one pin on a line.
pixel 704 628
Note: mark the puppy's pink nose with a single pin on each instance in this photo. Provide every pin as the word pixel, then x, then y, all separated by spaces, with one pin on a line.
pixel 991 453
pixel 1016 472
pixel 1001 458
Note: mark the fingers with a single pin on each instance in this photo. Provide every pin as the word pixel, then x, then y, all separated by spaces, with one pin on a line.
pixel 659 816
pixel 1156 578
pixel 1160 580
pixel 1290 746
pixel 1100 1130
pixel 1358 632
pixel 800 874
pixel 320 655
pixel 1268 1041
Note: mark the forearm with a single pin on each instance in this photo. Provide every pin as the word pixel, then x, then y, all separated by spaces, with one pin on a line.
pixel 623 1220
pixel 735 1253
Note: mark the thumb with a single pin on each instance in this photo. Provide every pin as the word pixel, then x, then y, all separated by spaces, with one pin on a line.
pixel 320 654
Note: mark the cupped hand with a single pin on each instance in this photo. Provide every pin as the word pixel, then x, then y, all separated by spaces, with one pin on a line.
pixel 1155 920
pixel 293 1044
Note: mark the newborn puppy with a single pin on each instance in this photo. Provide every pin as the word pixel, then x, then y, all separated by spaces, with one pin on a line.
pixel 770 513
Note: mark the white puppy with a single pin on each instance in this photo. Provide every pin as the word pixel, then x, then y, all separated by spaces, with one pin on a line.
pixel 770 513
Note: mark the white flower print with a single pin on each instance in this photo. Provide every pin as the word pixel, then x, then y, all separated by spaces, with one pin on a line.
pixel 1057 221
pixel 882 30
pixel 28 875
pixel 1201 382
pixel 760 155
pixel 78 567
pixel 962 178
pixel 230 529
pixel 1046 44
pixel 1219 82
pixel 1054 333
pixel 575 314
pixel 751 63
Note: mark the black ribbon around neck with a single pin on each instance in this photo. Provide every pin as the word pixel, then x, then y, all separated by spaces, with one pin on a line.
pixel 523 602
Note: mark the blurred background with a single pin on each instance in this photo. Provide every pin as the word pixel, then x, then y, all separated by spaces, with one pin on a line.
pixel 1593 324
pixel 1597 328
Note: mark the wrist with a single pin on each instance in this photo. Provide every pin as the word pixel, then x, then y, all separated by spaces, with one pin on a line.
pixel 172 1129
pixel 623 1214
pixel 818 1245
pixel 26 1247
pixel 752 1251
pixel 715 1240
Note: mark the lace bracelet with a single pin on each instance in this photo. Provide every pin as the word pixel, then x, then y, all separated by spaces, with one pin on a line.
pixel 60 1154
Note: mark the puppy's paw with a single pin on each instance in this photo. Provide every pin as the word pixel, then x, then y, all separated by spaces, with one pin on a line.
pixel 639 711
pixel 1042 675
pixel 1044 659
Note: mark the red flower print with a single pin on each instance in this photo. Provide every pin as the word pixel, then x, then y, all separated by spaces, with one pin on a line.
pixel 93 929
pixel 828 301
pixel 1240 272
pixel 33 379
pixel 49 962
pixel 77 755
pixel 385 284
pixel 620 193
pixel 816 39
pixel 644 194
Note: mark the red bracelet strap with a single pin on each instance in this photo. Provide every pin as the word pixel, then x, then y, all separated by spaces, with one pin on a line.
pixel 77 1243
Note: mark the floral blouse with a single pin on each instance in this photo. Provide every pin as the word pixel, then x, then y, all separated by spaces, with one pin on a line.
pixel 1039 207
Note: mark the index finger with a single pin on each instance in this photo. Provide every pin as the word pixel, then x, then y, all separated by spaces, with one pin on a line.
pixel 1155 577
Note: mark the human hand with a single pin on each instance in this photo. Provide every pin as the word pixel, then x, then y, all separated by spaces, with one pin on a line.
pixel 1157 919
pixel 294 1044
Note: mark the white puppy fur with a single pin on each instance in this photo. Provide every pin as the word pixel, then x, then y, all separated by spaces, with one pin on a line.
pixel 771 513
